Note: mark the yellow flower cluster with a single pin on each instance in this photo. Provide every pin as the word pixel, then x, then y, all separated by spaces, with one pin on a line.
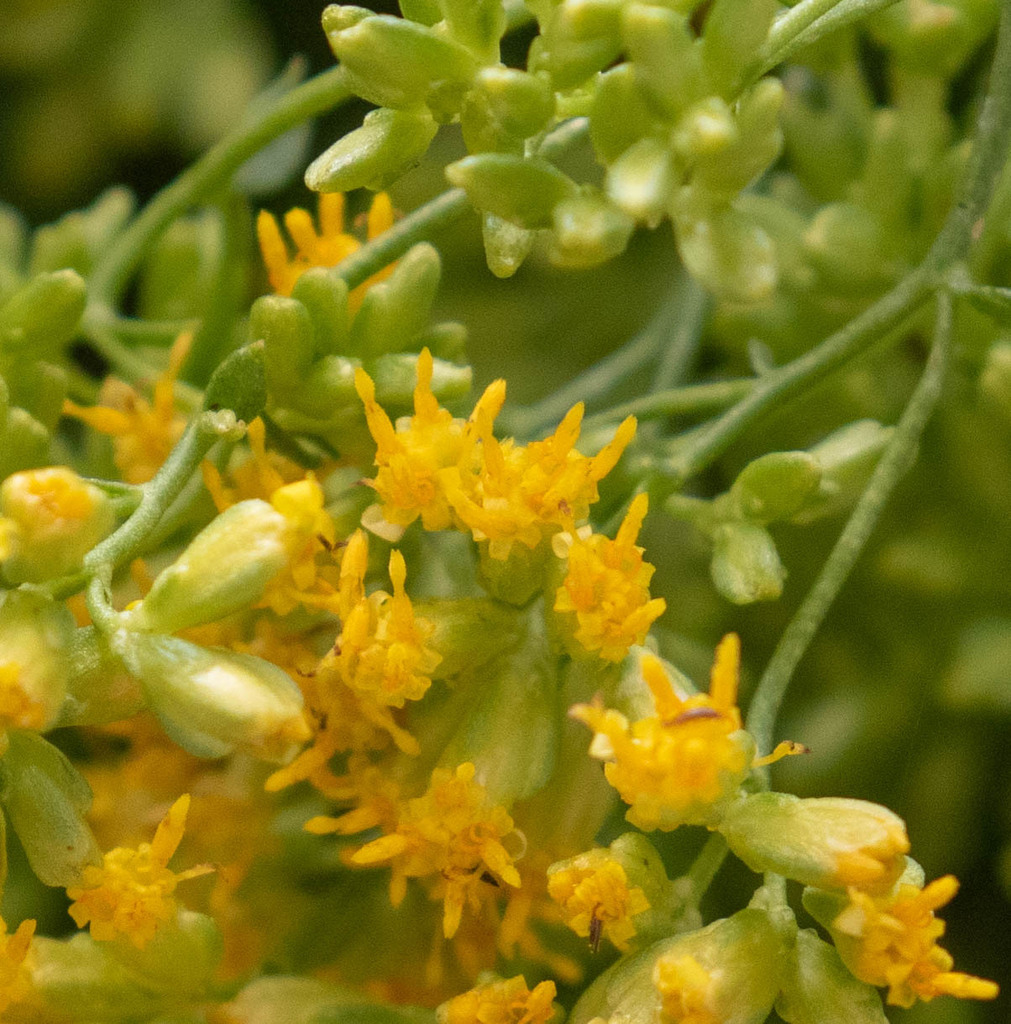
pixel 501 1002
pixel 451 834
pixel 18 709
pixel 14 953
pixel 891 941
pixel 131 894
pixel 684 986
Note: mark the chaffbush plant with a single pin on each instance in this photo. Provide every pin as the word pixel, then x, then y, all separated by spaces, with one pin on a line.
pixel 380 659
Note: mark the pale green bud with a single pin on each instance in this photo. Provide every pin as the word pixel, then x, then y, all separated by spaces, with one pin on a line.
pixel 284 326
pixel 300 1000
pixel 506 245
pixel 396 376
pixel 776 486
pixel 732 968
pixel 24 442
pixel 667 59
pixel 619 116
pixel 35 633
pixel 746 566
pixel 390 61
pixel 476 24
pixel 523 191
pixel 46 801
pixel 388 143
pixel 734 32
pixel 325 298
pixel 588 230
pixel 42 316
pixel 212 701
pixel 77 239
pixel 642 180
pixel 706 130
pixel 504 107
pixel 225 568
pixel 52 518
pixel 99 689
pixel 818 988
pixel 849 247
pixel 829 842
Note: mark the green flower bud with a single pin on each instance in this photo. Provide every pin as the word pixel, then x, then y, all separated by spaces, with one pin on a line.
pixel 394 311
pixel 212 701
pixel 328 389
pixel 388 143
pixel 506 245
pixel 705 130
pixel 395 378
pixel 731 968
pixel 99 689
pixel 79 238
pixel 325 298
pixel 579 39
pixel 588 230
pixel 308 1001
pixel 446 341
pixel 40 389
pixel 239 383
pixel 619 116
pixel 46 801
pixel 829 842
pixel 225 568
pixel 819 989
pixel 727 252
pixel 35 632
pixel 42 316
pixel 847 458
pixel 426 12
pixel 667 59
pixel 734 32
pixel 285 328
pixel 504 107
pixel 775 487
pixel 746 566
pixel 848 246
pixel 524 191
pixel 476 24
pixel 642 180
pixel 24 442
pixel 52 519
pixel 390 61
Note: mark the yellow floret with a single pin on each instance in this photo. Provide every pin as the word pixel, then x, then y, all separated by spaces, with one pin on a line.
pixel 501 1002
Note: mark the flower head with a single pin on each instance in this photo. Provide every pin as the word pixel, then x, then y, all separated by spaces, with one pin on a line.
pixel 524 493
pixel 679 765
pixel 143 432
pixel 606 587
pixel 131 893
pixel 325 247
pixel 892 941
pixel 501 1002
pixel 413 455
pixel 596 897
pixel 14 950
pixel 452 833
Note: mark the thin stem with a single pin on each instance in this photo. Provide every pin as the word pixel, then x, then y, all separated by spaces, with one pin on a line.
pixel 708 862
pixel 305 101
pixel 677 401
pixel 895 461
pixel 160 492
pixel 436 215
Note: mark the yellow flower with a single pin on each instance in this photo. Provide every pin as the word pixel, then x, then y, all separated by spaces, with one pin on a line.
pixel 143 432
pixel 679 765
pixel 526 492
pixel 375 794
pixel 413 455
pixel 501 1002
pixel 892 941
pixel 380 653
pixel 606 587
pixel 263 473
pixel 18 708
pixel 323 248
pixel 596 899
pixel 131 893
pixel 452 833
pixel 14 950
pixel 684 986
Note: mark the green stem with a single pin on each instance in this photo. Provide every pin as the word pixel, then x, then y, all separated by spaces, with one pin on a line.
pixel 708 862
pixel 677 401
pixel 160 492
pixel 895 461
pixel 436 215
pixel 314 97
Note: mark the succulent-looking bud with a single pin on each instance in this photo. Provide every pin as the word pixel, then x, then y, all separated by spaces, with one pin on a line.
pixel 51 519
pixel 212 701
pixel 829 842
pixel 746 566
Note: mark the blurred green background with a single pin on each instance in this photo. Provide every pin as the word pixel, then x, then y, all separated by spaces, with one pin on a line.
pixel 905 695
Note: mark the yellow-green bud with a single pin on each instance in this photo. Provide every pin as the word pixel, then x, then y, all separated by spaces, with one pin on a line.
pixel 99 689
pixel 829 842
pixel 746 565
pixel 642 180
pixel 42 316
pixel 52 519
pixel 35 634
pixel 225 568
pixel 212 701
pixel 775 486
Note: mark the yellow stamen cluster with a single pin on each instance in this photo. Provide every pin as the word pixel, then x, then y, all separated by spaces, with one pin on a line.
pixel 18 709
pixel 596 899
pixel 892 941
pixel 684 985
pixel 453 834
pixel 14 951
pixel 325 247
pixel 606 587
pixel 501 1002
pixel 676 766
pixel 131 893
pixel 259 476
pixel 380 653
pixel 143 432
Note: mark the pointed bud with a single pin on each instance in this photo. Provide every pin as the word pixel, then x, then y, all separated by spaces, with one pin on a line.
pixel 42 316
pixel 642 180
pixel 746 566
pixel 775 486
pixel 588 230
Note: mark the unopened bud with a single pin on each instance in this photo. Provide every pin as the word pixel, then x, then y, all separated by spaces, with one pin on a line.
pixel 746 566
